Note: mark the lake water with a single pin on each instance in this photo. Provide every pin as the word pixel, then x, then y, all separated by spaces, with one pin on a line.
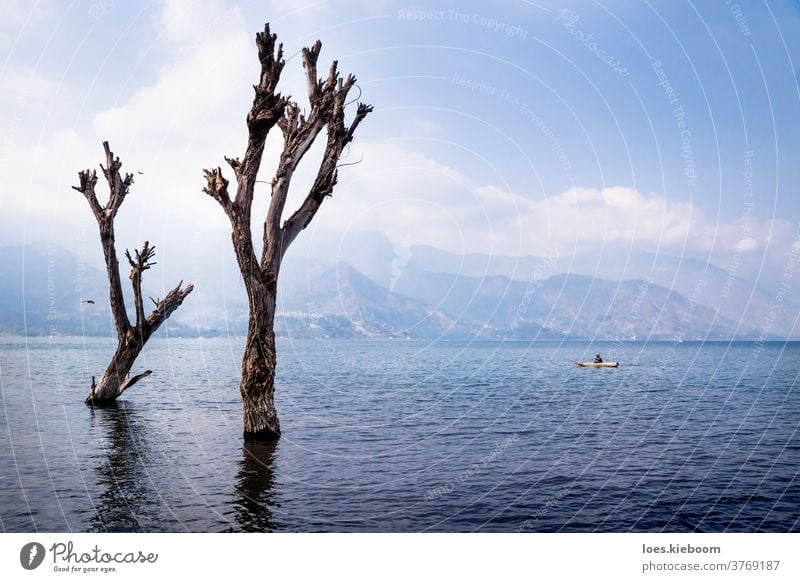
pixel 406 436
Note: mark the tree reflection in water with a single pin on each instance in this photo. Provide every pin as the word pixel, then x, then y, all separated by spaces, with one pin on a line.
pixel 128 501
pixel 254 497
pixel 145 476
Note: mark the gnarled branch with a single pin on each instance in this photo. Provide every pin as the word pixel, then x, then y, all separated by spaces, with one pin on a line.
pixel 328 99
pixel 310 56
pixel 338 137
pixel 165 307
pixel 118 189
pixel 130 381
pixel 299 134
pixel 117 184
pixel 88 181
pixel 235 164
pixel 267 109
pixel 141 263
pixel 217 188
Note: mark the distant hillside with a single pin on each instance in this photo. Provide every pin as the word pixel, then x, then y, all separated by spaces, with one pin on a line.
pixel 574 305
pixel 343 294
pixel 722 290
pixel 42 290
pixel 733 297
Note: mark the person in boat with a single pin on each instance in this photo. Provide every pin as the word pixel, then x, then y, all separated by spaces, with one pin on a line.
pixel 598 359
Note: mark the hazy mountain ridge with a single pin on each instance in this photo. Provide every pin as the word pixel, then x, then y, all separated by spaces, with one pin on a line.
pixel 343 292
pixel 722 290
pixel 42 289
pixel 577 306
pixel 47 290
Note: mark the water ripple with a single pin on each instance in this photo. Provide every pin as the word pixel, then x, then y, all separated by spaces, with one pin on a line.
pixel 435 437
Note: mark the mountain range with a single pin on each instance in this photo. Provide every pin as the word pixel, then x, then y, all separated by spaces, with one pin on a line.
pixel 378 290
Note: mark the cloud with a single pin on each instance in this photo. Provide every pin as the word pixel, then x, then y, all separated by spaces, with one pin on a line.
pixel 746 245
pixel 168 129
pixel 406 194
pixel 188 23
pixel 25 87
pixel 18 14
pixel 189 104
pixel 192 113
pixel 616 214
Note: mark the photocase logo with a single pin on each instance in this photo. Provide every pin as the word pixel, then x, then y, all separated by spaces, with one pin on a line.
pixel 31 555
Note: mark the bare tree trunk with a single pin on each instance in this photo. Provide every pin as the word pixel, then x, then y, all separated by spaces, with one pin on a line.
pixel 257 385
pixel 130 338
pixel 116 379
pixel 327 100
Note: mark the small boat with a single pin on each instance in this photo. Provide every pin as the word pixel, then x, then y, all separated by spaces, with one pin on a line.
pixel 597 364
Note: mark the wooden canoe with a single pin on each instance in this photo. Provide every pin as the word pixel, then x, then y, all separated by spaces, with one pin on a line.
pixel 596 365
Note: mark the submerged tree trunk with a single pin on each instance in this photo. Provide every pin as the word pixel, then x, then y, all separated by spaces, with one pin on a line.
pixel 327 101
pixel 116 379
pixel 257 386
pixel 130 338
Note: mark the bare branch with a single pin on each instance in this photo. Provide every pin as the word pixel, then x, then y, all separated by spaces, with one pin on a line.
pixel 327 99
pixel 361 113
pixel 338 137
pixel 267 109
pixel 130 381
pixel 140 264
pixel 299 135
pixel 344 88
pixel 310 56
pixel 117 185
pixel 88 182
pixel 271 60
pixel 143 260
pixel 333 74
pixel 235 164
pixel 165 308
pixel 217 188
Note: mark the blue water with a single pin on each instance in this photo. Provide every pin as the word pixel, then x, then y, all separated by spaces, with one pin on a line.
pixel 406 436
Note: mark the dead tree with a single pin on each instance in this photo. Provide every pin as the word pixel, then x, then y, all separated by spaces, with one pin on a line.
pixel 130 338
pixel 327 100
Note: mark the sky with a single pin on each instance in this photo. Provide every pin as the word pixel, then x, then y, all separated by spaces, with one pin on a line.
pixel 509 128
